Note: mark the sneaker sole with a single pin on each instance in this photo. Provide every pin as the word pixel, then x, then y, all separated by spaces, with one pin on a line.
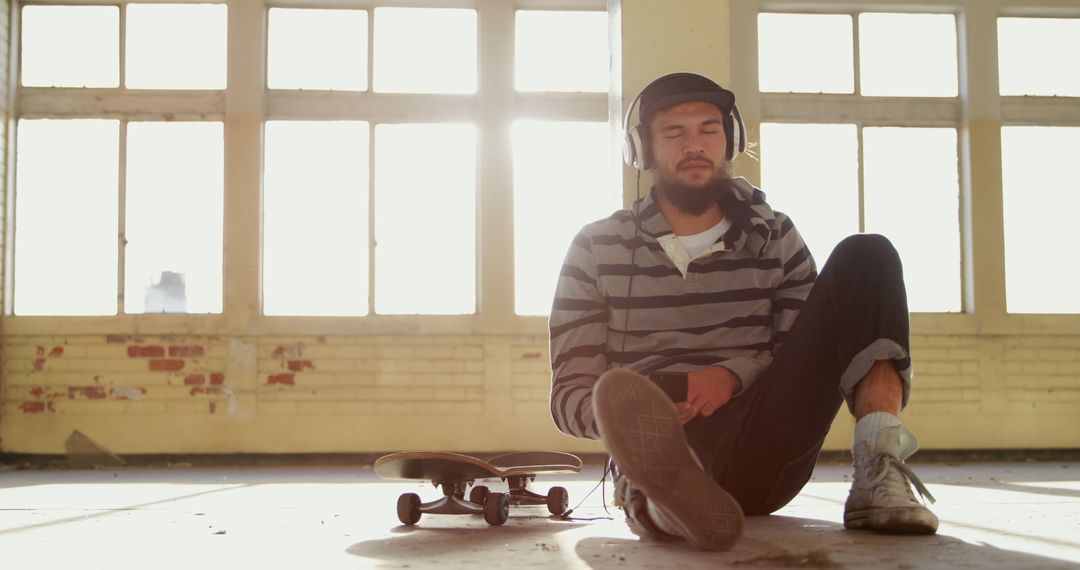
pixel 640 428
pixel 891 521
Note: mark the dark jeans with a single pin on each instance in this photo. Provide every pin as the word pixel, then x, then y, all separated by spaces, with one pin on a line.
pixel 762 446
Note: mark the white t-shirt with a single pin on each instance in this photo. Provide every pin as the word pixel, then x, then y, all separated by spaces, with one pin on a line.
pixel 697 243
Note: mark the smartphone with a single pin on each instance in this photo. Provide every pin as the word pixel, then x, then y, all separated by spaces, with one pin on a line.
pixel 674 384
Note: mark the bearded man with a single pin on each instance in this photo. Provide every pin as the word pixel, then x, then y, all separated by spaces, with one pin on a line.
pixel 693 335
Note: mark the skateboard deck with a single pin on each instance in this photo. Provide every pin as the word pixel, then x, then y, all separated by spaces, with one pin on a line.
pixel 455 472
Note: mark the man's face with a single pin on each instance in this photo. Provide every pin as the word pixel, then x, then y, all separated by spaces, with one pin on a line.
pixel 688 143
pixel 689 152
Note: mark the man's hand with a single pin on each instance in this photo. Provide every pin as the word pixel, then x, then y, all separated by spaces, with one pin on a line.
pixel 708 390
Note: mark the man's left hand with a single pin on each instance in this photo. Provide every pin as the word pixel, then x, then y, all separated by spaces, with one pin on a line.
pixel 708 390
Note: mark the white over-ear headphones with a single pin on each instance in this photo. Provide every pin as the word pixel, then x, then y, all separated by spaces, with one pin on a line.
pixel 635 152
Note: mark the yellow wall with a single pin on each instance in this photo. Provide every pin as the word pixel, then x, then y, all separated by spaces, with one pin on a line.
pixel 245 383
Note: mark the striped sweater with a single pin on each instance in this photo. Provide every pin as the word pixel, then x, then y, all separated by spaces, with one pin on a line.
pixel 628 296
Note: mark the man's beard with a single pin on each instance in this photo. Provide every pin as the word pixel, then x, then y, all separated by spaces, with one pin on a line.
pixel 693 200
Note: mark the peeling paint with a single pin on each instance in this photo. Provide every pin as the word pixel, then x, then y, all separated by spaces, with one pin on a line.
pixel 285 379
pixel 166 365
pixel 36 407
pixel 88 392
pixel 146 351
pixel 127 393
pixel 299 365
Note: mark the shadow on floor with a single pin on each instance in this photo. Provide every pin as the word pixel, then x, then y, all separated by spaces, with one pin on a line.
pixel 780 541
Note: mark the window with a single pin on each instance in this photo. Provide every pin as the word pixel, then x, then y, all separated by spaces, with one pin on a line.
pixel 1022 41
pixel 315 218
pixel 176 46
pixel 425 228
pixel 65 234
pixel 1038 138
pixel 92 166
pixel 1039 276
pixel 317 49
pixel 174 209
pixel 402 170
pixel 395 229
pixel 445 62
pixel 805 53
pixel 90 56
pixel 870 146
pixel 562 174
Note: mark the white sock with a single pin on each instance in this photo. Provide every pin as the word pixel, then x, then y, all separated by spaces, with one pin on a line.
pixel 660 519
pixel 867 428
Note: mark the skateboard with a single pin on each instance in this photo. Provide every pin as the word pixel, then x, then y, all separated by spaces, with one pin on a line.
pixel 455 473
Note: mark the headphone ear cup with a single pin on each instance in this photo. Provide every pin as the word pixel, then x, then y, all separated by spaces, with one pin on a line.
pixel 634 152
pixel 738 134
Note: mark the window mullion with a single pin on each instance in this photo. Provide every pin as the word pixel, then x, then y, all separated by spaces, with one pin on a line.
pixel 121 219
pixel 861 167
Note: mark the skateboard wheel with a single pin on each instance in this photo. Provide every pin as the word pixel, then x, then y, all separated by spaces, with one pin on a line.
pixel 496 508
pixel 558 500
pixel 478 494
pixel 408 508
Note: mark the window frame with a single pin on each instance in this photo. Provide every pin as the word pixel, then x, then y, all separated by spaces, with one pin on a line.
pixel 244 106
pixel 978 113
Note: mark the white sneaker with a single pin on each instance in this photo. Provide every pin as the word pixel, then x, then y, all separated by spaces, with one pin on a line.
pixel 881 498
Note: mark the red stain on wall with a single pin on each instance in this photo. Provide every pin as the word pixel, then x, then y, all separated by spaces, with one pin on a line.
pixel 286 379
pixel 195 380
pixel 185 351
pixel 146 351
pixel 531 355
pixel 39 364
pixel 40 350
pixel 166 365
pixel 213 407
pixel 36 407
pixel 88 392
pixel 57 351
pixel 278 352
pixel 217 379
pixel 298 365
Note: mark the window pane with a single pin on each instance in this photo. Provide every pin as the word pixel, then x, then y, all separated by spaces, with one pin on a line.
pixel 425 212
pixel 805 53
pixel 916 204
pixel 561 51
pixel 818 190
pixel 173 202
pixel 176 46
pixel 317 49
pixel 1037 56
pixel 71 46
pixel 923 68
pixel 424 50
pixel 66 212
pixel 1039 174
pixel 315 218
pixel 551 204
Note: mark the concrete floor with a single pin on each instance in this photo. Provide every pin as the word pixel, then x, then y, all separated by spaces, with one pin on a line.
pixel 993 515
